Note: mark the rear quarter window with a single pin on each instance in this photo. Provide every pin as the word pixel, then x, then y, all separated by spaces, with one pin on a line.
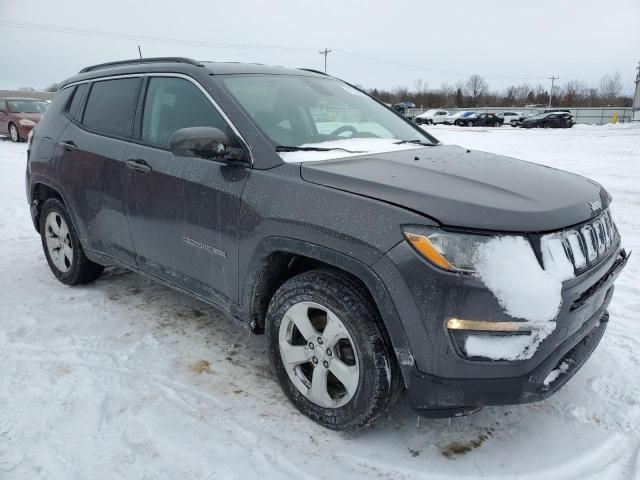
pixel 74 104
pixel 111 106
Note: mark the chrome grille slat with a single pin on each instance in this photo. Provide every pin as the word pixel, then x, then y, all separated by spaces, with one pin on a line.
pixel 588 244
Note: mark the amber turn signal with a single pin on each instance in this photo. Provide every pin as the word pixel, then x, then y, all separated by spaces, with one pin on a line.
pixel 425 248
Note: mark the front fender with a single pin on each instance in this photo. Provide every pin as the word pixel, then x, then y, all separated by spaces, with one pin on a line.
pixel 260 260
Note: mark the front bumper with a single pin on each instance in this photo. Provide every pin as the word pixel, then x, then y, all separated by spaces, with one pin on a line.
pixel 440 378
pixel 23 130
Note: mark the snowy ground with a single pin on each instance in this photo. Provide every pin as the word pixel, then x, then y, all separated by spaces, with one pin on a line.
pixel 128 379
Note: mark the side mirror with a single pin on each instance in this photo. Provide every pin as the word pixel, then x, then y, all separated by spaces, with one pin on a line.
pixel 205 142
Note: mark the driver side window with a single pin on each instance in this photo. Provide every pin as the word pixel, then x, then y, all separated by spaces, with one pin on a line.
pixel 172 104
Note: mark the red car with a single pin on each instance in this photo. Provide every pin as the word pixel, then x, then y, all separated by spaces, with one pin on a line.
pixel 18 116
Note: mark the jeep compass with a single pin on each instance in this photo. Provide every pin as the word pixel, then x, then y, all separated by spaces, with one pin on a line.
pixel 373 257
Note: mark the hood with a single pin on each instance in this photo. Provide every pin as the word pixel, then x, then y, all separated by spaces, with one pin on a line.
pixel 460 188
pixel 36 117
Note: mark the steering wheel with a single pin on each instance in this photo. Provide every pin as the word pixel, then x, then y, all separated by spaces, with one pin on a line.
pixel 342 129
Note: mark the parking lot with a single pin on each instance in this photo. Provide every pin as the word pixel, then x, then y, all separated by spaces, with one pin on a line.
pixel 128 379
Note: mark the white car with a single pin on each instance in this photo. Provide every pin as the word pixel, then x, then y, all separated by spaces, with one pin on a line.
pixel 507 116
pixel 431 117
pixel 451 119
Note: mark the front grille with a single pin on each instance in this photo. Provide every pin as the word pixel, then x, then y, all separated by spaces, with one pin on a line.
pixel 584 245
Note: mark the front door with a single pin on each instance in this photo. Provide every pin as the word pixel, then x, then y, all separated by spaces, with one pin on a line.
pixel 184 211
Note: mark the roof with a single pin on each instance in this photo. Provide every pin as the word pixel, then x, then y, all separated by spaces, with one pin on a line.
pixel 183 65
pixel 231 68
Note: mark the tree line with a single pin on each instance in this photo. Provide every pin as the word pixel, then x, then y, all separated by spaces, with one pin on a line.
pixel 475 92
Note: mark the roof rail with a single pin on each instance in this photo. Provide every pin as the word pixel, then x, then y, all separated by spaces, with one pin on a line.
pixel 312 70
pixel 141 60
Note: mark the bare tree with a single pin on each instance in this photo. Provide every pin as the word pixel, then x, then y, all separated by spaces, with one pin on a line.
pixel 573 93
pixel 27 89
pixel 476 87
pixel 611 86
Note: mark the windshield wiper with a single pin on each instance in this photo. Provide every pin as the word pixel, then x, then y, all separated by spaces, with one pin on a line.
pixel 290 148
pixel 417 142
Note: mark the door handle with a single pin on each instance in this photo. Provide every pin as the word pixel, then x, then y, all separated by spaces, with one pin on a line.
pixel 139 165
pixel 69 146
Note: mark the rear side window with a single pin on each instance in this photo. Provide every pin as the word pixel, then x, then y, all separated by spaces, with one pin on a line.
pixel 111 106
pixel 74 105
pixel 174 103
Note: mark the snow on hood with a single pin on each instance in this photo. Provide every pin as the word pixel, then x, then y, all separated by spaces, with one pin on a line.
pixel 355 147
pixel 525 290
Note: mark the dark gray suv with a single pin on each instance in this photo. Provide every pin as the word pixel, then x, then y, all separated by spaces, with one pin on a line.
pixel 374 258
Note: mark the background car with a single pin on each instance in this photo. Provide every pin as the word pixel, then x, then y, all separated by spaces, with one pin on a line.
pixel 549 120
pixel 19 115
pixel 480 120
pixel 432 117
pixel 451 118
pixel 507 116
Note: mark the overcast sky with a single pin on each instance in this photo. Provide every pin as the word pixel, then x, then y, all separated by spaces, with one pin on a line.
pixel 375 42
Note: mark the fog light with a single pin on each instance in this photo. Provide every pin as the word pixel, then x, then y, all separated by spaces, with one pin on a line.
pixel 489 326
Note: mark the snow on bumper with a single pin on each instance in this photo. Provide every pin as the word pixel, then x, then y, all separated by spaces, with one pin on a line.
pixel 443 376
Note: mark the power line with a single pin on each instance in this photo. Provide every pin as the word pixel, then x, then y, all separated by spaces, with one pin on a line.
pixel 421 68
pixel 239 46
pixel 325 52
pixel 147 38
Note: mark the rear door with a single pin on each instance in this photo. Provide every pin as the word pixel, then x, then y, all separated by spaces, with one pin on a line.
pixel 184 211
pixel 91 167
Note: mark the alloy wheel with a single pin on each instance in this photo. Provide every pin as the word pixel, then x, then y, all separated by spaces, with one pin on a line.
pixel 58 240
pixel 319 354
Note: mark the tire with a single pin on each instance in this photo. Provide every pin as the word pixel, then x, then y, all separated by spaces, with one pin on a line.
pixel 68 261
pixel 469 123
pixel 364 359
pixel 14 134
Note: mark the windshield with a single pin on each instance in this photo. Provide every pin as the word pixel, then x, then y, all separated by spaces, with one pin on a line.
pixel 300 111
pixel 27 106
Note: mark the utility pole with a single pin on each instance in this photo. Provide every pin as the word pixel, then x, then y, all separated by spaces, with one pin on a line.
pixel 140 52
pixel 325 52
pixel 553 79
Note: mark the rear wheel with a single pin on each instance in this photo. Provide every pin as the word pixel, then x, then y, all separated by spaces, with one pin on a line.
pixel 327 350
pixel 14 135
pixel 62 248
pixel 470 123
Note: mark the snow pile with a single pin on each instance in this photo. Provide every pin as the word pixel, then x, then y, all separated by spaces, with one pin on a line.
pixel 555 259
pixel 509 268
pixel 512 347
pixel 555 373
pixel 352 147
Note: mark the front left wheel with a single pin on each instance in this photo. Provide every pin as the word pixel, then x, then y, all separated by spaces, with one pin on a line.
pixel 327 350
pixel 62 247
pixel 14 135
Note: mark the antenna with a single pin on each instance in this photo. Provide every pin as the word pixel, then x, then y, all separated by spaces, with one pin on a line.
pixel 140 52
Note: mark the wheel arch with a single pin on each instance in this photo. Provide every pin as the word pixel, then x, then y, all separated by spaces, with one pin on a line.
pixel 39 192
pixel 277 259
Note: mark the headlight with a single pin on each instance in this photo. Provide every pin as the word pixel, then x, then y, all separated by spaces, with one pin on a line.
pixel 450 251
pixel 25 122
